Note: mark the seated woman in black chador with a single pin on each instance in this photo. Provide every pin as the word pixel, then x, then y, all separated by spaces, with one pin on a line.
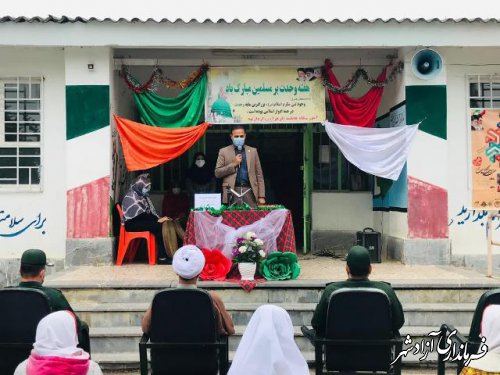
pixel 200 176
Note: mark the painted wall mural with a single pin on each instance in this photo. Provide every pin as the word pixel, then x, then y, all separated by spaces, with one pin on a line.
pixel 427 210
pixel 396 196
pixel 13 226
pixel 88 210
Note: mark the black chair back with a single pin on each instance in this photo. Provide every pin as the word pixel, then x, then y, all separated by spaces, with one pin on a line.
pixel 184 316
pixel 359 314
pixel 21 311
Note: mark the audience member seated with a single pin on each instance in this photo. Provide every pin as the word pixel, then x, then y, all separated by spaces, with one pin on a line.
pixel 175 203
pixel 200 176
pixel 55 349
pixel 268 347
pixel 490 328
pixel 139 214
pixel 358 269
pixel 33 262
pixel 188 263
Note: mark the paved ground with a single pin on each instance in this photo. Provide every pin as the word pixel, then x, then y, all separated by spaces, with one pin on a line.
pixel 313 269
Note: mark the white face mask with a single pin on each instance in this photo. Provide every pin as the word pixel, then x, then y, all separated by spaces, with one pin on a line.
pixel 176 190
pixel 146 190
pixel 200 163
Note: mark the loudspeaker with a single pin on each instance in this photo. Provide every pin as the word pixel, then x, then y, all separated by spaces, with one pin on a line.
pixel 426 64
pixel 371 240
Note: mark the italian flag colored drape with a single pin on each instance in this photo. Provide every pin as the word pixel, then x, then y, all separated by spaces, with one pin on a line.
pixel 183 110
pixel 146 146
pixel 354 111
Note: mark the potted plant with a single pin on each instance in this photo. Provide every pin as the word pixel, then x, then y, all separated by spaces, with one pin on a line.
pixel 247 252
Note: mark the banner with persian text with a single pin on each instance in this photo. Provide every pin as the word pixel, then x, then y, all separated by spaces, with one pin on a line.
pixel 256 95
pixel 485 142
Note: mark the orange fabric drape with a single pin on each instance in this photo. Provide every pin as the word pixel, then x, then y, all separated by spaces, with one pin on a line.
pixel 147 146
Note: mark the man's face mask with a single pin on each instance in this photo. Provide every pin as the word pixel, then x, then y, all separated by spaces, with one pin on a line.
pixel 238 142
pixel 200 163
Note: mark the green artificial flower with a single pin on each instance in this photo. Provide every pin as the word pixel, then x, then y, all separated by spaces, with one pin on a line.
pixel 280 266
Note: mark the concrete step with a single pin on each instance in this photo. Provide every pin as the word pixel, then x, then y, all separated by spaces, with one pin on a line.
pixel 416 314
pixel 110 340
pixel 269 294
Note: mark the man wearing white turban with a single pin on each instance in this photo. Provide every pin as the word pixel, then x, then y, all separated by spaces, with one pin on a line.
pixel 188 263
pixel 267 346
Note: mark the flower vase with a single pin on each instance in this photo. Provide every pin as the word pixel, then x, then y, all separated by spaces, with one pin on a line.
pixel 247 270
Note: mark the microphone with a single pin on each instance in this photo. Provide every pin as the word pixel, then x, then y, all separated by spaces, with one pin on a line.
pixel 239 151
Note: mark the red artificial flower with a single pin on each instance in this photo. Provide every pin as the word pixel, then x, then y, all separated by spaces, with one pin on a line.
pixel 217 266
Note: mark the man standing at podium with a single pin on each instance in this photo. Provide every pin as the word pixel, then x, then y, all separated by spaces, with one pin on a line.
pixel 239 167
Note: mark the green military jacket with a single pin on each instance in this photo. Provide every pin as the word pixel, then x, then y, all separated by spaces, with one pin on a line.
pixel 58 302
pixel 319 318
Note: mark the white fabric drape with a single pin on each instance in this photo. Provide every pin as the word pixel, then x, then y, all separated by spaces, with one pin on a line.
pixel 267 346
pixel 381 152
pixel 211 233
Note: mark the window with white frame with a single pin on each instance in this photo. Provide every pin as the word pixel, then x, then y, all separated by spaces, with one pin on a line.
pixel 484 91
pixel 20 131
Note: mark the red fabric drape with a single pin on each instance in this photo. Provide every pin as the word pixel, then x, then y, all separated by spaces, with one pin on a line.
pixel 354 111
pixel 147 146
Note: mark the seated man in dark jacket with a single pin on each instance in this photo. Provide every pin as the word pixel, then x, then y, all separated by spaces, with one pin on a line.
pixel 358 269
pixel 33 262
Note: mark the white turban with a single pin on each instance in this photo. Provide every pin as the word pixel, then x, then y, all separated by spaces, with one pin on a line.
pixel 188 262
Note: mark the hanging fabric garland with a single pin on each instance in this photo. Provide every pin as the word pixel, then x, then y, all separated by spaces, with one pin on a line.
pixel 158 78
pixel 381 152
pixel 362 73
pixel 347 110
pixel 146 146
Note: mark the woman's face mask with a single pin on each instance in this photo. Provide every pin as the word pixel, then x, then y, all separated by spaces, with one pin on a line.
pixel 200 163
pixel 146 189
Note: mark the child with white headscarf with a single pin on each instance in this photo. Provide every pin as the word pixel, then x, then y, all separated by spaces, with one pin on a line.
pixel 490 328
pixel 55 349
pixel 267 346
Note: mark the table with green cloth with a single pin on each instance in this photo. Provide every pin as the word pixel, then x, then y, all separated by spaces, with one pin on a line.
pixel 239 218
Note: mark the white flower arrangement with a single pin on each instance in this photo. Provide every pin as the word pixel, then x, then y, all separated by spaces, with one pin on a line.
pixel 248 248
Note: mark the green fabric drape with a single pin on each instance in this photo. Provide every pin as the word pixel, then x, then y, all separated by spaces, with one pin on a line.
pixel 183 110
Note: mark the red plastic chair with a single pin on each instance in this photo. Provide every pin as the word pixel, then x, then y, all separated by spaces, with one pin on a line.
pixel 127 242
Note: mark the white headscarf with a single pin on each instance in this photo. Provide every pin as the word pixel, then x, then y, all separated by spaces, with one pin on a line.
pixel 56 336
pixel 267 346
pixel 490 328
